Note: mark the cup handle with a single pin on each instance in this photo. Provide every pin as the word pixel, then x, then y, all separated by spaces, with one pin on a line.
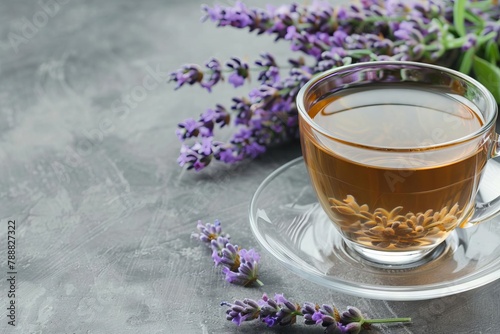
pixel 489 209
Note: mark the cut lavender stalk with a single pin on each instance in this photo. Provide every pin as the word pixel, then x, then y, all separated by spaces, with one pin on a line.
pixel 279 311
pixel 240 266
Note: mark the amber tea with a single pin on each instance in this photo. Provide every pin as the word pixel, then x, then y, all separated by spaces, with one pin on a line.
pixel 390 188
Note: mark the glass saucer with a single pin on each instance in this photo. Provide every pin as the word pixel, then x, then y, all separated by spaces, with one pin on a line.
pixel 289 223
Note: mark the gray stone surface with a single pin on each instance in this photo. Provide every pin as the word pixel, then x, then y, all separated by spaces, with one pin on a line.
pixel 103 212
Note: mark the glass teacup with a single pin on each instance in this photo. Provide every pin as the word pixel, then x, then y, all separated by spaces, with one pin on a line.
pixel 395 152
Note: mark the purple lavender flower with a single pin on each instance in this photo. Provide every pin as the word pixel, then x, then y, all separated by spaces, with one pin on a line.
pixel 240 266
pixel 308 43
pixel 200 164
pixel 352 314
pixel 218 115
pixel 311 313
pixel 350 328
pixel 328 315
pixel 272 312
pixel 228 155
pixel 243 135
pixel 291 33
pixel 200 154
pixel 236 80
pixel 188 74
pixel 242 107
pixel 336 57
pixel 253 150
pixel 214 14
pixel 207 121
pixel 217 246
pixel 268 311
pixel 187 157
pixel 247 272
pixel 287 315
pixel 238 16
pixel 229 257
pixel 240 72
pixel 192 74
pixel 203 127
pixel 241 311
pixel 270 73
pixel 215 71
pixel 189 128
pixel 492 27
pixel 209 232
pixel 471 41
pixel 339 328
pixel 264 94
pixel 204 147
pixel 404 31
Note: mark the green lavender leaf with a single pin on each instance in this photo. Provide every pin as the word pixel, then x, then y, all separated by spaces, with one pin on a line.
pixel 489 75
pixel 491 52
pixel 471 17
pixel 459 16
pixel 466 61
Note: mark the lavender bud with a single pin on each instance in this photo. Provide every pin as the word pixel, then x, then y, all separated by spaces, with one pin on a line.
pixel 352 314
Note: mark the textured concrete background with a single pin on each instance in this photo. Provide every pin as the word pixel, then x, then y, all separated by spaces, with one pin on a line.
pixel 103 212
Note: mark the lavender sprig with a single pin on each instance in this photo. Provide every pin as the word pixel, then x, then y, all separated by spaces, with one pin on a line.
pixel 266 117
pixel 460 34
pixel 281 312
pixel 240 266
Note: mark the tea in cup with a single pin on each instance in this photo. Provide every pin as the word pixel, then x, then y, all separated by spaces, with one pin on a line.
pixel 395 152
